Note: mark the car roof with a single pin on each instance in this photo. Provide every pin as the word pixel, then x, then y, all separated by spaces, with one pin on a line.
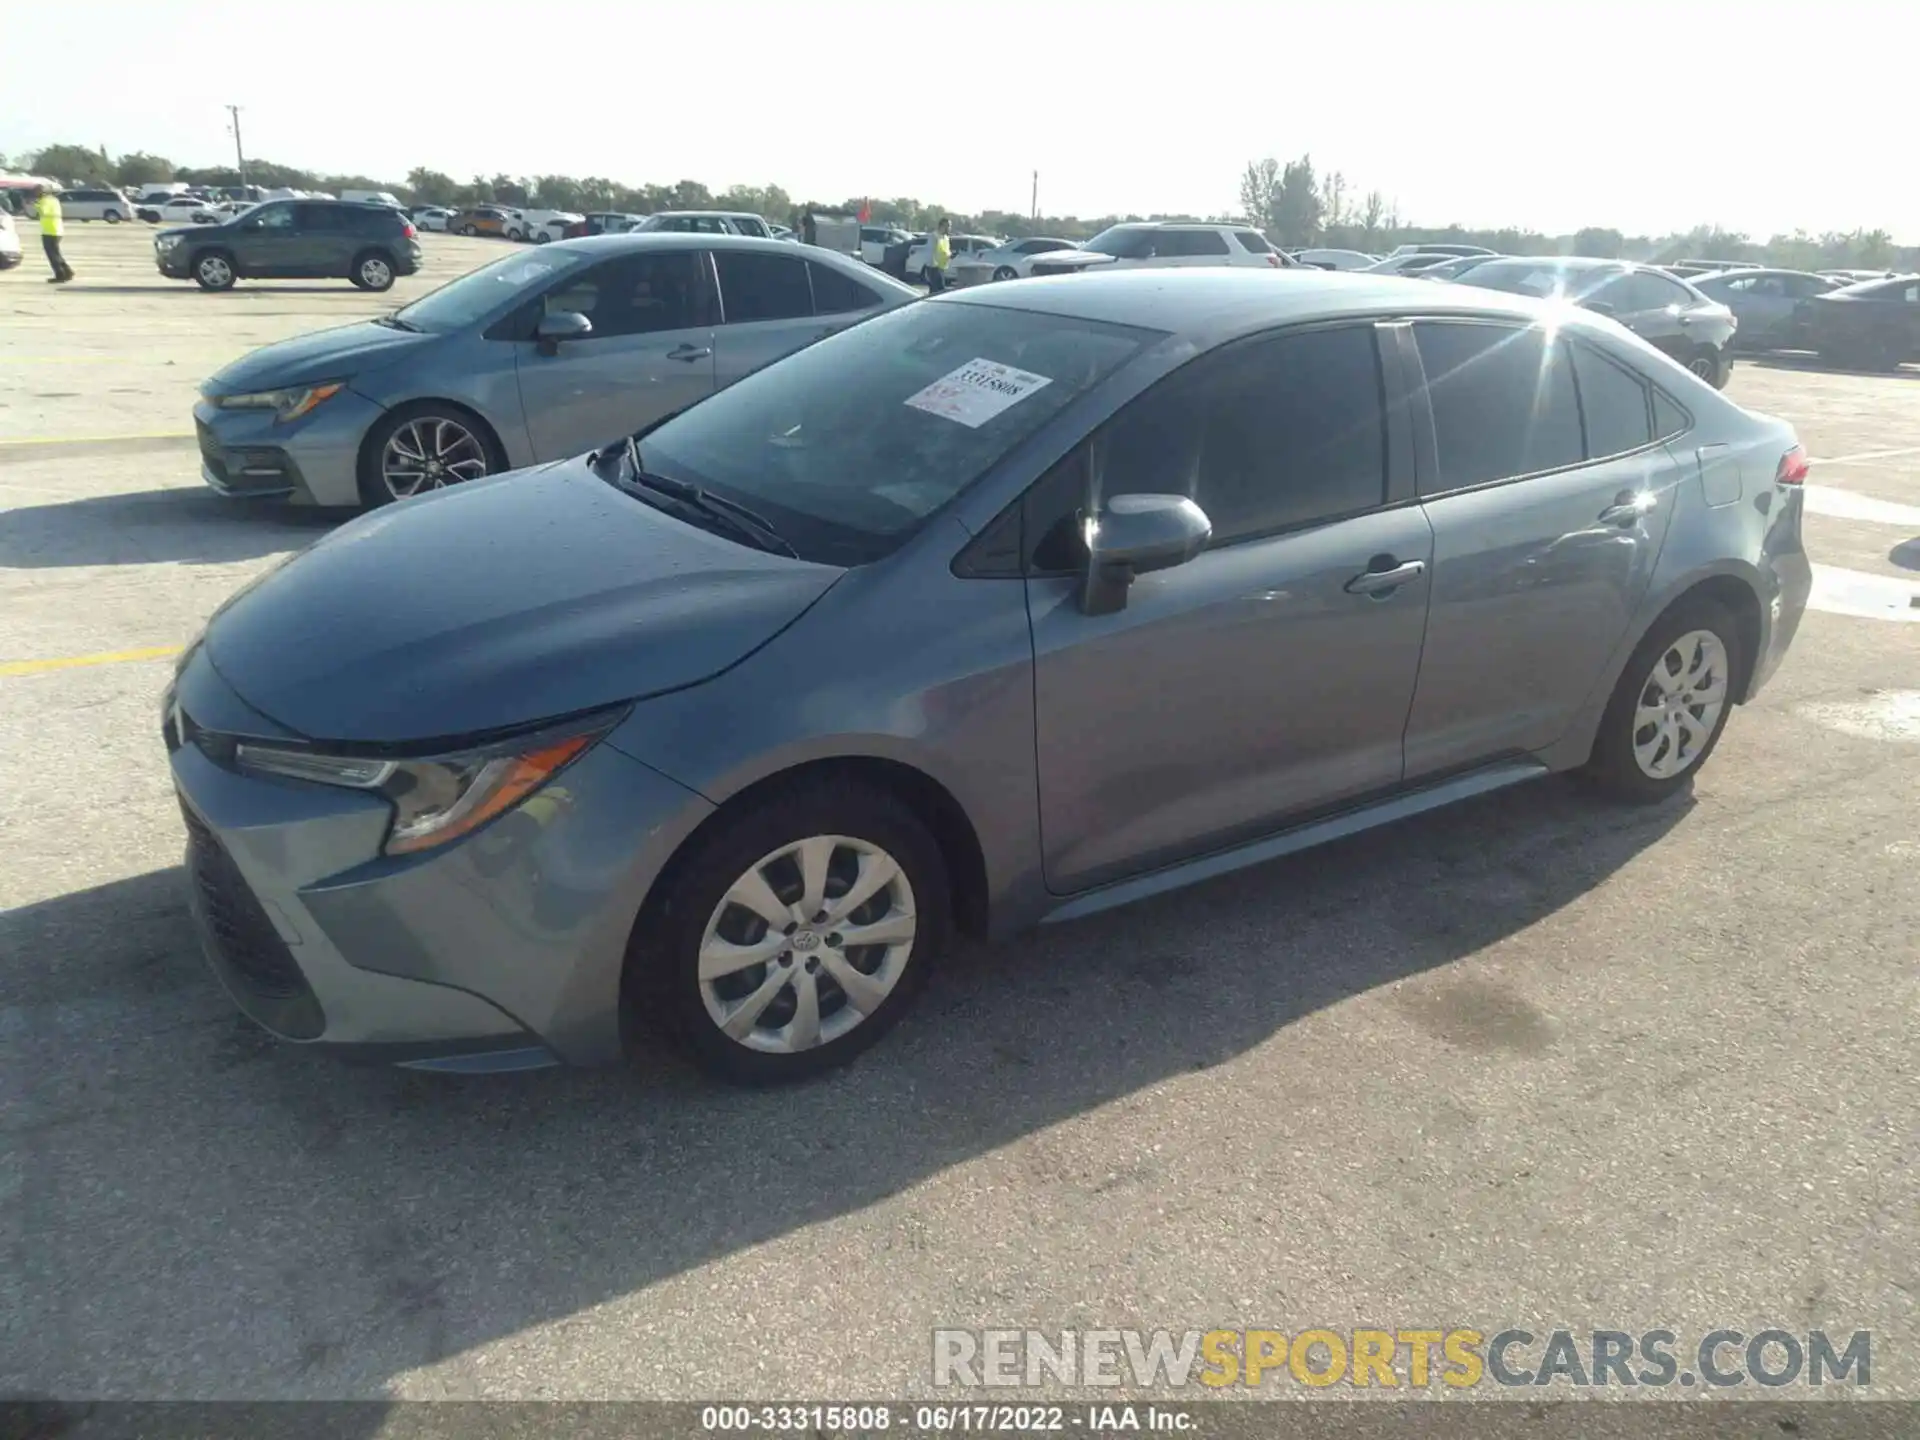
pixel 1213 305
pixel 630 240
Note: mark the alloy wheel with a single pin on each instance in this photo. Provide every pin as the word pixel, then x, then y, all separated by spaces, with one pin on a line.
pixel 1702 366
pixel 375 273
pixel 429 453
pixel 216 271
pixel 1680 704
pixel 807 944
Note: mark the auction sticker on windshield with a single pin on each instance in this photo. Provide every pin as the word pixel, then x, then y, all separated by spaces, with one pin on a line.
pixel 977 391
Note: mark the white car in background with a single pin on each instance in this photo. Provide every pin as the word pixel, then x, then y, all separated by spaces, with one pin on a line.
pixel 95 202
pixel 965 247
pixel 545 226
pixel 180 210
pixel 1010 260
pixel 9 240
pixel 1336 259
pixel 431 217
pixel 1166 244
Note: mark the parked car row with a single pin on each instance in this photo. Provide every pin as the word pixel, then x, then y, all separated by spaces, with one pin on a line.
pixel 785 669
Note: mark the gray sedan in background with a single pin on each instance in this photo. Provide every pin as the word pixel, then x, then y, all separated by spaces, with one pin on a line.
pixel 1000 608
pixel 533 357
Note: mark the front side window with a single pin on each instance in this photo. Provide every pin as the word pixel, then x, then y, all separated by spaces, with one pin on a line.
pixel 635 294
pixel 1503 402
pixel 1268 436
pixel 273 217
pixel 480 293
pixel 757 286
pixel 1191 242
pixel 1253 242
pixel 1124 242
pixel 849 445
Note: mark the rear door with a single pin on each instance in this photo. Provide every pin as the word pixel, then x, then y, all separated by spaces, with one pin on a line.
pixel 1654 308
pixel 1269 677
pixel 766 311
pixel 1549 499
pixel 324 240
pixel 650 353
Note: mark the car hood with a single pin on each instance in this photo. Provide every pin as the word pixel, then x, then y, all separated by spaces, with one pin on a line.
pixel 506 601
pixel 336 354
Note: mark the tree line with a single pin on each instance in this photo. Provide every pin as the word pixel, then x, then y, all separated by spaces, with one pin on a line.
pixel 1293 203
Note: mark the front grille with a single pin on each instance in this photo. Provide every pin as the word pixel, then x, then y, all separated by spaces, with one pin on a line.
pixel 244 942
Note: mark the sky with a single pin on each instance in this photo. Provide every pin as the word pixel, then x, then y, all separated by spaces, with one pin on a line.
pixel 1547 115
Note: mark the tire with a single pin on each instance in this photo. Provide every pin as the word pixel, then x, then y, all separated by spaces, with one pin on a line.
pixel 382 483
pixel 516 234
pixel 1006 272
pixel 1619 767
pixel 469 231
pixel 1706 364
pixel 541 237
pixel 214 270
pixel 849 826
pixel 372 270
pixel 113 217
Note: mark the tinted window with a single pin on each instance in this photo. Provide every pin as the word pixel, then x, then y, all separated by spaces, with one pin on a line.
pixel 273 217
pixel 1126 242
pixel 1613 404
pixel 835 293
pixel 751 225
pixel 1190 242
pixel 850 444
pixel 1503 402
pixel 1535 277
pixel 762 287
pixel 1263 437
pixel 1669 419
pixel 635 294
pixel 1254 241
pixel 1641 290
pixel 320 218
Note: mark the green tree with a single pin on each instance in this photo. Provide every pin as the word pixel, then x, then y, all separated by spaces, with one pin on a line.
pixel 1295 216
pixel 691 195
pixel 72 162
pixel 560 192
pixel 139 168
pixel 1259 188
pixel 431 187
pixel 1599 242
pixel 509 191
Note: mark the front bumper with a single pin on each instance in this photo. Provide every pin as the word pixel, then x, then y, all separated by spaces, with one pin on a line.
pixel 503 950
pixel 315 460
pixel 172 262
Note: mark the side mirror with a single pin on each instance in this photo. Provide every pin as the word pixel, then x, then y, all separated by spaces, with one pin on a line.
pixel 1136 535
pixel 560 325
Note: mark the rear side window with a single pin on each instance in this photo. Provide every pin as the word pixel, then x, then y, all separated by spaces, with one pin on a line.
pixel 1191 242
pixel 1613 404
pixel 1264 437
pixel 1503 402
pixel 326 219
pixel 1253 241
pixel 1669 419
pixel 836 294
pixel 762 287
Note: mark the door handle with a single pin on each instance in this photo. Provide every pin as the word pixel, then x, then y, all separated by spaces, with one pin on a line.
pixel 690 353
pixel 1627 509
pixel 1386 576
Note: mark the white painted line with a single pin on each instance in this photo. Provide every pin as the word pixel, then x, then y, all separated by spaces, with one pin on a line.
pixel 1850 505
pixel 1866 455
pixel 1864 596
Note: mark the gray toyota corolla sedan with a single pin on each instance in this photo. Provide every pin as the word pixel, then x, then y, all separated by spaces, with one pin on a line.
pixel 534 357
pixel 1002 608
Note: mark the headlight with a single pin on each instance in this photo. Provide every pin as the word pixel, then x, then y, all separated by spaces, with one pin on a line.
pixel 286 405
pixel 168 242
pixel 438 800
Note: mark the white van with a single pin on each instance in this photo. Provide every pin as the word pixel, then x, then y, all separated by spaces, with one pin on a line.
pixel 372 197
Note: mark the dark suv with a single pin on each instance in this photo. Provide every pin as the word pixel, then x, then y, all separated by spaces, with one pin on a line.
pixel 294 240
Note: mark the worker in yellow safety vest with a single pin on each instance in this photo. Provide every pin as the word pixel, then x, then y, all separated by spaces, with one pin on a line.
pixel 942 254
pixel 46 206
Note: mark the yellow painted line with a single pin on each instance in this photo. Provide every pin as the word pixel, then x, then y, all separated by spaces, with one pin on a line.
pixel 6 440
pixel 72 662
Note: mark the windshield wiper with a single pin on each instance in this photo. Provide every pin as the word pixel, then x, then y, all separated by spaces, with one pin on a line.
pixel 735 516
pixel 394 322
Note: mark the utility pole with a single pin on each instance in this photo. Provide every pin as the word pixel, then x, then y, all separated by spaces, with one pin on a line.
pixel 1036 196
pixel 239 155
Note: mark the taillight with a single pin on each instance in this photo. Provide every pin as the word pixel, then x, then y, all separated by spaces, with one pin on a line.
pixel 1793 467
pixel 407 230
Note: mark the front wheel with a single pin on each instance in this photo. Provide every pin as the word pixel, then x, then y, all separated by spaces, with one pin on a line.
pixel 1006 272
pixel 1670 705
pixel 425 447
pixel 469 231
pixel 1708 365
pixel 796 933
pixel 541 237
pixel 113 217
pixel 214 271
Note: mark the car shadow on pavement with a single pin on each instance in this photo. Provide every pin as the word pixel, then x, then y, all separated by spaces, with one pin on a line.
pixel 179 525
pixel 380 1220
pixel 1815 364
pixel 1906 554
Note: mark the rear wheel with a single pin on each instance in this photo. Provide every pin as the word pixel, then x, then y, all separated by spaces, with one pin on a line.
pixel 213 270
pixel 113 217
pixel 372 270
pixel 1710 366
pixel 469 230
pixel 424 447
pixel 796 933
pixel 1670 705
pixel 1006 272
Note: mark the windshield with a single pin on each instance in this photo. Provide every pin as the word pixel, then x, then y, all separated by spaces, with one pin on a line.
pixel 481 292
pixel 1542 278
pixel 848 446
pixel 1123 242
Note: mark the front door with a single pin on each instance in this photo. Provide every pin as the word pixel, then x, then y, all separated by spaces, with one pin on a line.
pixel 265 240
pixel 766 311
pixel 1270 677
pixel 650 352
pixel 1549 504
pixel 1654 308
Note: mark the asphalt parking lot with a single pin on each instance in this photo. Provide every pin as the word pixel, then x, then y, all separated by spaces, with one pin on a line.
pixel 1530 1061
